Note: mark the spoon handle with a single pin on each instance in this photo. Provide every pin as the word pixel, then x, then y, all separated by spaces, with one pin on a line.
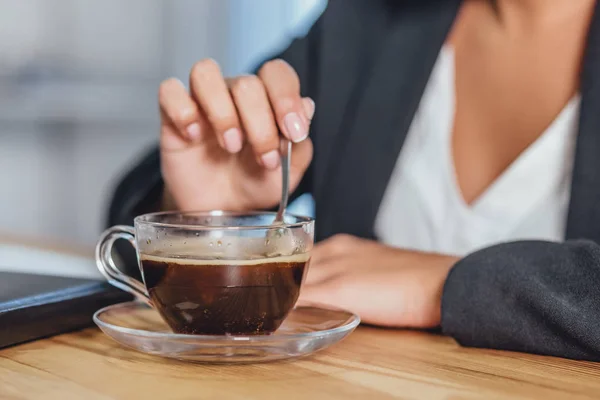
pixel 286 155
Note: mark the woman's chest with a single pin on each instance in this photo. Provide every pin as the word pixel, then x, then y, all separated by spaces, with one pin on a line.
pixel 423 207
pixel 510 86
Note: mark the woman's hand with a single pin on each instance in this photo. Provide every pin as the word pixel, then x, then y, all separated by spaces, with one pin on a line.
pixel 220 143
pixel 384 285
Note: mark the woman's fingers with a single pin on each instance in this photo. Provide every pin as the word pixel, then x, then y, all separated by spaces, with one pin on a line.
pixel 283 88
pixel 336 256
pixel 210 91
pixel 335 247
pixel 324 263
pixel 309 108
pixel 179 110
pixel 317 274
pixel 319 293
pixel 321 270
pixel 257 118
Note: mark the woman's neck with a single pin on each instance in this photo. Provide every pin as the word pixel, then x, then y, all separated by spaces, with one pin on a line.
pixel 538 13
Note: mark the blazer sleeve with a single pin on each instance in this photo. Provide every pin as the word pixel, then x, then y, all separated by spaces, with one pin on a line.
pixel 529 296
pixel 140 189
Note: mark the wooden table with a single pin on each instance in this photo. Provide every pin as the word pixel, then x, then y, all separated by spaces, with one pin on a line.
pixel 370 364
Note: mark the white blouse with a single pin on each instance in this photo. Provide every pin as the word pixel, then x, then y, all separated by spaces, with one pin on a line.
pixel 423 208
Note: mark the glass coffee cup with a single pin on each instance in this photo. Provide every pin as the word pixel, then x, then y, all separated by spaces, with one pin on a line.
pixel 214 273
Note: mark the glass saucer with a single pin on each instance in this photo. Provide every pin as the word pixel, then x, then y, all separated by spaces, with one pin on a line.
pixel 307 329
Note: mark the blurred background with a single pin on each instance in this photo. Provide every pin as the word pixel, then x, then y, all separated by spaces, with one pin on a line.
pixel 78 89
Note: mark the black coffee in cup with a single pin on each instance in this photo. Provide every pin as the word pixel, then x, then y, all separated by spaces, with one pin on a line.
pixel 214 272
pixel 224 297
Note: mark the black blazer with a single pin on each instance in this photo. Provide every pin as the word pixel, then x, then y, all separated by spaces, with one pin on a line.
pixel 366 64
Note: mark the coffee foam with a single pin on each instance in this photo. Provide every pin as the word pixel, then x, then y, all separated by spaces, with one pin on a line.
pixel 238 250
pixel 187 260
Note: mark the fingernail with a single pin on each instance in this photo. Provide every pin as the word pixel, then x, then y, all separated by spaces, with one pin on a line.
pixel 271 159
pixel 309 107
pixel 295 127
pixel 233 140
pixel 193 131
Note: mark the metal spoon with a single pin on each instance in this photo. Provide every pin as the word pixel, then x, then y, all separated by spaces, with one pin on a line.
pixel 286 155
pixel 272 242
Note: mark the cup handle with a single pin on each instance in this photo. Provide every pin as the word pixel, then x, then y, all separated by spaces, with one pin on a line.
pixel 107 266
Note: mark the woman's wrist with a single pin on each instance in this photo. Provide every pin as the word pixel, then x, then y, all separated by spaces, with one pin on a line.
pixel 443 266
pixel 167 202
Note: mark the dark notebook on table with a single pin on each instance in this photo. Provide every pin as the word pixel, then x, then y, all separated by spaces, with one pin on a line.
pixel 36 306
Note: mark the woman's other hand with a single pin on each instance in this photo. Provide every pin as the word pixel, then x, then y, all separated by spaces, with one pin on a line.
pixel 384 285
